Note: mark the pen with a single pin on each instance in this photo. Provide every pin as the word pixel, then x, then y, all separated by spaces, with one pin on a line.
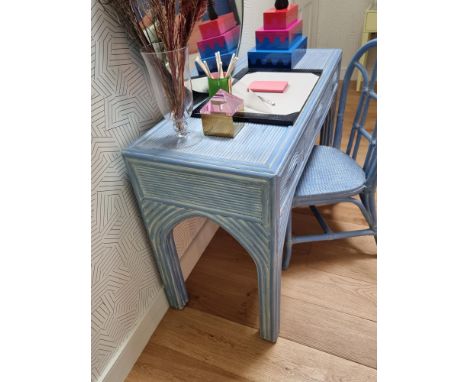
pixel 232 67
pixel 202 65
pixel 228 71
pixel 220 65
pixel 208 69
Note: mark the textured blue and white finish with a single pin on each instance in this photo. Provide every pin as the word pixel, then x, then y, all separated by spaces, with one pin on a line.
pixel 280 59
pixel 246 185
pixel 329 172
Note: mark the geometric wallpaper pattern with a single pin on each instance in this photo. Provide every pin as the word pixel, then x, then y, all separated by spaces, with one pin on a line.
pixel 124 276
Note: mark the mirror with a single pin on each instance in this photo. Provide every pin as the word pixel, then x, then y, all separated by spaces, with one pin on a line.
pixel 219 30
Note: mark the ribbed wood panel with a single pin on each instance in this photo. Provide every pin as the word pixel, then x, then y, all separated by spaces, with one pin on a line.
pixel 221 193
pixel 244 148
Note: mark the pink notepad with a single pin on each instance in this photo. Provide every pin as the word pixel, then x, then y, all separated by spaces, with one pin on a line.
pixel 268 86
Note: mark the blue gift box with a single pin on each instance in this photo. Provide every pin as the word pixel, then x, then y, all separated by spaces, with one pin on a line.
pixel 281 59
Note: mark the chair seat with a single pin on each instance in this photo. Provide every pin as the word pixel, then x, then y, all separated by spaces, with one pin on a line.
pixel 329 173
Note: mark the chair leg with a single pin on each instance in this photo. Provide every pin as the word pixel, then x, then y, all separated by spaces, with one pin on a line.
pixel 368 200
pixel 372 209
pixel 288 244
pixel 373 212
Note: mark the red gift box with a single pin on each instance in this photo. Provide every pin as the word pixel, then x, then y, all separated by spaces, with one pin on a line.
pixel 213 28
pixel 280 18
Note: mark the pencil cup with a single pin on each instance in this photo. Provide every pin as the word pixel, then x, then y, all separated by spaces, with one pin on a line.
pixel 215 83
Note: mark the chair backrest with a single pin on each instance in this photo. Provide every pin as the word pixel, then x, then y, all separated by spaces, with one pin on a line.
pixel 358 131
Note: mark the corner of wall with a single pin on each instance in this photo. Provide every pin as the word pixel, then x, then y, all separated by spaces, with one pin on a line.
pixel 124 359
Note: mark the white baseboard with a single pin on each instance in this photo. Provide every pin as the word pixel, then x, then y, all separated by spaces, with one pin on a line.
pixel 125 358
pixel 123 361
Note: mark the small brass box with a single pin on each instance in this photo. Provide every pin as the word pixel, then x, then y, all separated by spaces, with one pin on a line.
pixel 217 115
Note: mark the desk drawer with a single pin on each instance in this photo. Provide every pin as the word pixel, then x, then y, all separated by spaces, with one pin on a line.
pixel 206 191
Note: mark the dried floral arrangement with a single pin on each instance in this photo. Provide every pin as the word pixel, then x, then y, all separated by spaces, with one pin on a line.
pixel 162 26
pixel 172 20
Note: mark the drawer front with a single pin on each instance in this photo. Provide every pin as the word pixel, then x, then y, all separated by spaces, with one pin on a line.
pixel 291 175
pixel 205 191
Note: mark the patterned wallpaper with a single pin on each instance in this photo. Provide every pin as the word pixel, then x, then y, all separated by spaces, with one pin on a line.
pixel 124 276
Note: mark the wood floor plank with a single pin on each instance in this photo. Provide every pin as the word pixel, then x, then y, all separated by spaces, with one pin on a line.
pixel 335 312
pixel 239 351
pixel 332 291
pixel 337 333
pixel 354 257
pixel 337 292
pixel 160 363
pixel 343 259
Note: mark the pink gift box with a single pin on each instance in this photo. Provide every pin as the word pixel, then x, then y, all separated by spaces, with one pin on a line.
pixel 269 38
pixel 223 43
pixel 213 28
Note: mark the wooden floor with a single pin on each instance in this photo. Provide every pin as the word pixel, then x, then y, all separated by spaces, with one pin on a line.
pixel 328 313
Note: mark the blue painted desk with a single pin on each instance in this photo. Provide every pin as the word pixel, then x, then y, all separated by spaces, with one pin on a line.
pixel 245 185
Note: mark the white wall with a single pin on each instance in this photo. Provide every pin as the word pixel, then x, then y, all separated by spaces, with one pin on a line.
pixel 340 25
pixel 253 18
pixel 328 23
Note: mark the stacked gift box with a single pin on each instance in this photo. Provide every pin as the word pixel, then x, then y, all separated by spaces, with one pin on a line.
pixel 219 35
pixel 280 42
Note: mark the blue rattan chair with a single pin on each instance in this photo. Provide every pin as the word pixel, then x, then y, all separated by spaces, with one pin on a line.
pixel 332 176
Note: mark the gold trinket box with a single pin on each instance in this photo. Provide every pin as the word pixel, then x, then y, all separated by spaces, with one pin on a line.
pixel 217 115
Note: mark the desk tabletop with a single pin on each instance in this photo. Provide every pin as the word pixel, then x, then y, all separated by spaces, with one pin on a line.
pixel 256 150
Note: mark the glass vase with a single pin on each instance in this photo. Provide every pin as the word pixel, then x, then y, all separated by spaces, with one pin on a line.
pixel 172 87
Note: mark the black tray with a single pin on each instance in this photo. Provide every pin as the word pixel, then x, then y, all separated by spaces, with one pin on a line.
pixel 268 119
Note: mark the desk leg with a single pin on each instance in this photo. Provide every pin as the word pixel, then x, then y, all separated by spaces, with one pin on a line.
pixel 324 131
pixel 269 290
pixel 260 243
pixel 160 220
pixel 170 271
pixel 327 131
